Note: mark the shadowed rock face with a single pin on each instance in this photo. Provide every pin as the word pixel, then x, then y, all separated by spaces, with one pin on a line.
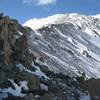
pixel 4 37
pixel 10 39
pixel 93 86
pixel 13 50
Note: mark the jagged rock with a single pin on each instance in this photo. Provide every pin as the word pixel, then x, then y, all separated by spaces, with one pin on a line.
pixel 33 82
pixel 11 97
pixel 7 67
pixel 93 85
pixel 5 83
pixel 19 48
pixel 1 15
pixel 7 49
pixel 2 77
pixel 29 97
pixel 11 39
pixel 13 43
pixel 47 96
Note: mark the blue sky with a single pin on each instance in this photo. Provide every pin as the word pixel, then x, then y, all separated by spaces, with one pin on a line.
pixel 23 10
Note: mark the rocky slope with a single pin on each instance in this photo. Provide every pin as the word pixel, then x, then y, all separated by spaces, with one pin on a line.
pixel 52 60
pixel 67 43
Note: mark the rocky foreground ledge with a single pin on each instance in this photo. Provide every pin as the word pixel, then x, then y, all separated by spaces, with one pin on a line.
pixel 23 78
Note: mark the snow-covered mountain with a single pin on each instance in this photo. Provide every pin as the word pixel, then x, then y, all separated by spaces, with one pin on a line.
pixel 67 43
pixel 51 60
pixel 97 16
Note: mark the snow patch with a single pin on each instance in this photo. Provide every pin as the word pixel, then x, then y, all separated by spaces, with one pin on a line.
pixel 20 66
pixel 17 90
pixel 37 33
pixel 44 87
pixel 95 41
pixel 39 23
pixel 37 72
pixel 81 48
pixel 94 55
pixel 20 33
pixel 70 40
pixel 89 32
pixel 97 16
pixel 85 97
pixel 60 33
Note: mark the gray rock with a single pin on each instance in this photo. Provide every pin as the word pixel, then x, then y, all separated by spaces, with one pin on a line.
pixel 3 77
pixel 47 96
pixel 29 97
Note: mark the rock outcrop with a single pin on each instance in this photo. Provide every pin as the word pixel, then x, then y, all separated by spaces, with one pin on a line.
pixel 13 50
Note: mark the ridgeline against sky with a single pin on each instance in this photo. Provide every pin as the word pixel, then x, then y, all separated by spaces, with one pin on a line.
pixel 26 9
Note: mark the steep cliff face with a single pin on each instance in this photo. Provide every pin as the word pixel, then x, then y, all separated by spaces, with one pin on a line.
pixel 4 38
pixel 10 35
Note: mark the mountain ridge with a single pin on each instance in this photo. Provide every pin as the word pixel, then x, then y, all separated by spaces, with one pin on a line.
pixel 55 62
pixel 37 23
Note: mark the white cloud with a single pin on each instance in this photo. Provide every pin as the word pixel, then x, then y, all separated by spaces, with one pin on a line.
pixel 45 2
pixel 28 2
pixel 39 2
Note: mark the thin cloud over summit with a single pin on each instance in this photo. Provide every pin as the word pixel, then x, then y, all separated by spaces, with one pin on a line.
pixel 39 2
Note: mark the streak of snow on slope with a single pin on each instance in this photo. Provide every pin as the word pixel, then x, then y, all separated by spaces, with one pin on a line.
pixel 96 16
pixel 37 72
pixel 96 41
pixel 84 97
pixel 63 63
pixel 89 31
pixel 17 90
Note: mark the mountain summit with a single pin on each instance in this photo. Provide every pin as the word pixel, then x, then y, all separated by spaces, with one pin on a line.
pixel 74 18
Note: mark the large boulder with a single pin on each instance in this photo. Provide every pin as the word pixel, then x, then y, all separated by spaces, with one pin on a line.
pixel 47 96
pixel 93 85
